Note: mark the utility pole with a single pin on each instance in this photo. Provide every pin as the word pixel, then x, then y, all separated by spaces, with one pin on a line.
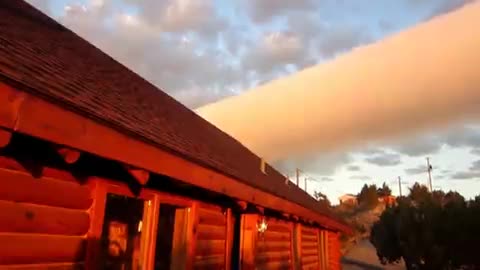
pixel 306 184
pixel 400 186
pixel 429 170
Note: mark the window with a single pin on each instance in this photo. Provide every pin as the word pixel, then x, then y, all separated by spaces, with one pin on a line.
pixel 122 239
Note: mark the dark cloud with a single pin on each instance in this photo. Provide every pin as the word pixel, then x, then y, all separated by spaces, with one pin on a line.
pixel 446 6
pixel 322 164
pixel 353 168
pixel 384 159
pixel 175 63
pixel 416 170
pixel 472 173
pixel 265 10
pixel 181 16
pixel 466 175
pixel 360 177
pixel 326 179
pixel 274 51
pixel 419 146
pixel 341 38
pixel 475 166
pixel 463 137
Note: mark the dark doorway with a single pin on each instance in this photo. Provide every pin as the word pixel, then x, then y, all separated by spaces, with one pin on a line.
pixel 121 234
pixel 237 227
pixel 170 249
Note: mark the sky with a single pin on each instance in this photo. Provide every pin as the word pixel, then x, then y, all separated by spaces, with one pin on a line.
pixel 201 51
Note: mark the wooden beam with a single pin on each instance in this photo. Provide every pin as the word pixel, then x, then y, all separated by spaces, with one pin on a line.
pixel 260 209
pixel 5 137
pixel 140 175
pixel 243 205
pixel 50 122
pixel 69 155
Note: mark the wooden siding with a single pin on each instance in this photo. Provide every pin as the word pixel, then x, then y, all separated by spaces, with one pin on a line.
pixel 211 238
pixel 274 247
pixel 333 247
pixel 44 221
pixel 310 246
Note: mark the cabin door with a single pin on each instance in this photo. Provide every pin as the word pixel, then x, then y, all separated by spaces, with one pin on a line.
pixel 237 230
pixel 122 233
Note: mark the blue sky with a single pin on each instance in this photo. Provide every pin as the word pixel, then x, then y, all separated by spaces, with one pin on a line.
pixel 200 51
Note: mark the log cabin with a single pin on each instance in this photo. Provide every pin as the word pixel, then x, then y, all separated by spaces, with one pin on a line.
pixel 99 169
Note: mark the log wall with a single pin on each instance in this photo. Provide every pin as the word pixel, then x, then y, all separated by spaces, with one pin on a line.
pixel 333 246
pixel 310 248
pixel 274 249
pixel 211 238
pixel 44 221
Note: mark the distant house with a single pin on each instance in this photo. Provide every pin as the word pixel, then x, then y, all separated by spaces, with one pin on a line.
pixel 348 199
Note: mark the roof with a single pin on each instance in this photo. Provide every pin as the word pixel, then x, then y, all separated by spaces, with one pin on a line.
pixel 348 196
pixel 44 58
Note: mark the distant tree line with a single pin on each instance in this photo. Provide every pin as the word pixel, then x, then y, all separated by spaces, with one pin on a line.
pixel 429 230
pixel 369 195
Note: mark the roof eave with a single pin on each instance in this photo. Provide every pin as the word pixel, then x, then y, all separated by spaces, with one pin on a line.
pixel 24 113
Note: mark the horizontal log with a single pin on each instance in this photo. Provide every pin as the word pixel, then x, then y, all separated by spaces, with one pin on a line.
pixel 47 172
pixel 310 266
pixel 310 252
pixel 31 218
pixel 276 236
pixel 21 187
pixel 309 245
pixel 276 265
pixel 263 246
pixel 19 248
pixel 45 266
pixel 278 227
pixel 309 238
pixel 283 256
pixel 309 259
pixel 309 232
pixel 211 218
pixel 266 249
pixel 211 233
pixel 209 247
pixel 242 205
pixel 141 176
pixel 209 262
pixel 69 155
pixel 5 137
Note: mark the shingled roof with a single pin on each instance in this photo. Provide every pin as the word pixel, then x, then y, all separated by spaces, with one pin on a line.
pixel 50 61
